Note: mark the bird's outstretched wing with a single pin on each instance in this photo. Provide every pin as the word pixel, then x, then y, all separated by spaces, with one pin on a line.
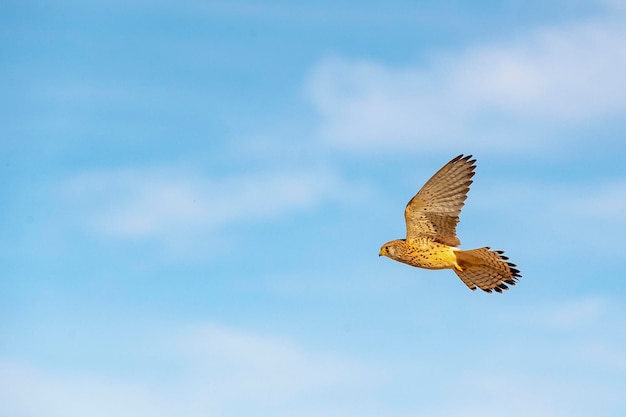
pixel 434 211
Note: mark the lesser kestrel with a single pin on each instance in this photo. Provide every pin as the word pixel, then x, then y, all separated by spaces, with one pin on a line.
pixel 431 242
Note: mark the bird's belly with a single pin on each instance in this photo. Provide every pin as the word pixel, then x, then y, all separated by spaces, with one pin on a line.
pixel 432 256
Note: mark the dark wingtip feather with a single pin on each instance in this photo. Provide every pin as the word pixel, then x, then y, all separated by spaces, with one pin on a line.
pixel 464 158
pixel 457 158
pixel 515 271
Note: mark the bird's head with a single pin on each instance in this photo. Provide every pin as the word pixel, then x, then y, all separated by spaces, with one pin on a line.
pixel 390 249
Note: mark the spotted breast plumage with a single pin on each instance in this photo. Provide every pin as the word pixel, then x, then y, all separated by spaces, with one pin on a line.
pixel 431 242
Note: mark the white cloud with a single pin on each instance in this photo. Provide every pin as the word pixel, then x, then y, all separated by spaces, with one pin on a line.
pixel 495 393
pixel 510 94
pixel 220 372
pixel 29 392
pixel 167 203
pixel 267 371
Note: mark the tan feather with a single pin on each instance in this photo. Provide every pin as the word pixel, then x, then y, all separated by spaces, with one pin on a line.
pixel 485 269
pixel 434 211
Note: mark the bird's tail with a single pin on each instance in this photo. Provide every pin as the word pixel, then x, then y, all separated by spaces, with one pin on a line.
pixel 485 269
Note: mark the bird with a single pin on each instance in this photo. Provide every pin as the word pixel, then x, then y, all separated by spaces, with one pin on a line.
pixel 431 242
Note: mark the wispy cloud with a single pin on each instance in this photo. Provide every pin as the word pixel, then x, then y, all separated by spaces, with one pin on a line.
pixel 162 203
pixel 26 391
pixel 212 369
pixel 221 371
pixel 268 371
pixel 494 393
pixel 510 94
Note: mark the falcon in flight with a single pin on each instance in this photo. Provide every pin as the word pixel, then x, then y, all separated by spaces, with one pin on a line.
pixel 431 242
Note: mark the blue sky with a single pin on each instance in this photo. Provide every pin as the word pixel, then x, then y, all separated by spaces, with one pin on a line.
pixel 194 195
